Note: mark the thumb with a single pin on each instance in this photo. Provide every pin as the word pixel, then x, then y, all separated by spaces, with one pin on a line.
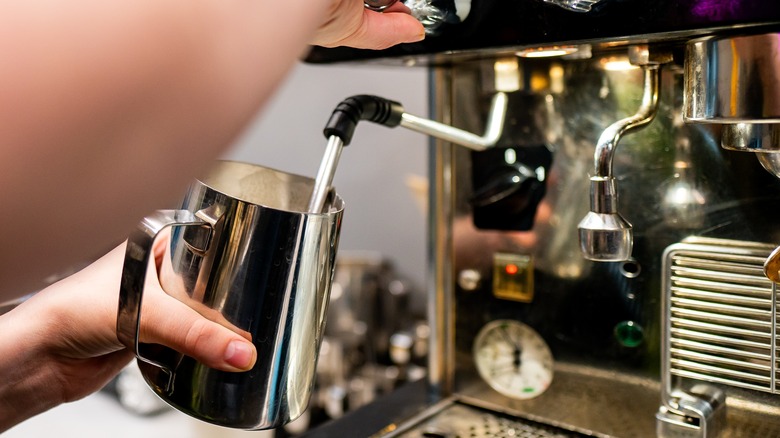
pixel 167 321
pixel 380 30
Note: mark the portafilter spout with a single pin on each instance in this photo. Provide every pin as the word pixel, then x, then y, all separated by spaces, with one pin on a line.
pixel 604 234
pixel 344 119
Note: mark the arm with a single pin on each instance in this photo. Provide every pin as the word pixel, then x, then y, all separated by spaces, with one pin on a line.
pixel 108 109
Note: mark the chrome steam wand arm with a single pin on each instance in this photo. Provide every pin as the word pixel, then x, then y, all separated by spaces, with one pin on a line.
pixel 344 119
pixel 493 128
pixel 605 148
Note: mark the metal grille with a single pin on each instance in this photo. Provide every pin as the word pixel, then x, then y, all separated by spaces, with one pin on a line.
pixel 462 421
pixel 721 313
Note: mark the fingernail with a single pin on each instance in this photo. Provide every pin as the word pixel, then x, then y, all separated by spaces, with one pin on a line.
pixel 240 354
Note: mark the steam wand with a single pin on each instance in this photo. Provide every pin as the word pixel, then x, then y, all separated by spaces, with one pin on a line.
pixel 342 123
pixel 604 234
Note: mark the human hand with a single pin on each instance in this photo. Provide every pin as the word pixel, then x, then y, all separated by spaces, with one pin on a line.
pixel 350 24
pixel 61 344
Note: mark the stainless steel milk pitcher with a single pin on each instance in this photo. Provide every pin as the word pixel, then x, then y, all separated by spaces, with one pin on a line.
pixel 243 250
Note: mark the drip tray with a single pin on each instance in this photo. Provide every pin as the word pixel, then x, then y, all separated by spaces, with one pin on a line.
pixel 462 421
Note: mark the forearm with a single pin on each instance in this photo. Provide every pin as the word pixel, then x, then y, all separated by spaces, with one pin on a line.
pixel 95 95
pixel 25 380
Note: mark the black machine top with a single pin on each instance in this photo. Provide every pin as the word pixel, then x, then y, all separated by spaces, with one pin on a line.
pixel 471 26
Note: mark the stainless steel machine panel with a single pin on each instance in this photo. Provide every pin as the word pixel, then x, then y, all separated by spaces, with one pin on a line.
pixel 603 321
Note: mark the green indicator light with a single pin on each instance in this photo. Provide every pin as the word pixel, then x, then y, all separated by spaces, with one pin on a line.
pixel 529 389
pixel 629 334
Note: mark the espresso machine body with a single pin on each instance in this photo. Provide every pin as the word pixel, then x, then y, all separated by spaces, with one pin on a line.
pixel 534 331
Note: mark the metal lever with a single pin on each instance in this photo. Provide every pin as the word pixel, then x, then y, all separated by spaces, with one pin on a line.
pixel 342 123
pixel 493 128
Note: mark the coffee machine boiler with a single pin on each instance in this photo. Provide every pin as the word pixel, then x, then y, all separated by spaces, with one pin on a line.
pixel 608 267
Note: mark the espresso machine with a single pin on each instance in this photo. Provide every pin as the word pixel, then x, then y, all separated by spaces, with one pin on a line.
pixel 607 266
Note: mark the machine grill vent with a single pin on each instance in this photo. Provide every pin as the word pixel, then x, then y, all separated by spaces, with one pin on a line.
pixel 721 313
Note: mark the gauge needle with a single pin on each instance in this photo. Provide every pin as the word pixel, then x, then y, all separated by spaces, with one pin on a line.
pixel 508 338
pixel 518 358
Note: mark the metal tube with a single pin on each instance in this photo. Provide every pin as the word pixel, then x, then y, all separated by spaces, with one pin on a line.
pixel 605 149
pixel 440 302
pixel 325 174
pixel 493 129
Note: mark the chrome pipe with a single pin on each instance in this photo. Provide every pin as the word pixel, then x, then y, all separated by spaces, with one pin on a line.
pixel 441 215
pixel 608 141
pixel 325 174
pixel 493 129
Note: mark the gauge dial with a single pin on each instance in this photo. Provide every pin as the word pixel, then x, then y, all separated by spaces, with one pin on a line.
pixel 513 359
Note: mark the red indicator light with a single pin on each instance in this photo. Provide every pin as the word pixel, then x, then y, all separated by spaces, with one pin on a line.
pixel 511 269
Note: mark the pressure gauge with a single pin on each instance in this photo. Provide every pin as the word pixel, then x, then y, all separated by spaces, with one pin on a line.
pixel 513 359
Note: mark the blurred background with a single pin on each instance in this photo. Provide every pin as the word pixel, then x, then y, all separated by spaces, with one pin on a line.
pixel 381 267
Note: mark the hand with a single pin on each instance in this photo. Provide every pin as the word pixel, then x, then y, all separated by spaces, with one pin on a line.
pixel 61 345
pixel 350 24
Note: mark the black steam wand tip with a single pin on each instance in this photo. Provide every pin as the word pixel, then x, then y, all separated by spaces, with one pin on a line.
pixel 350 111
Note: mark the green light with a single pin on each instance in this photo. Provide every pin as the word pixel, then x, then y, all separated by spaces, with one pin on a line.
pixel 629 334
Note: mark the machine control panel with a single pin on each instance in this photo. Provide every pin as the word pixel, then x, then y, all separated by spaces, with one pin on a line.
pixel 513 277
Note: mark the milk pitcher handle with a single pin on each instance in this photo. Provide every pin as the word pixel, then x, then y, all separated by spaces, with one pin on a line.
pixel 137 257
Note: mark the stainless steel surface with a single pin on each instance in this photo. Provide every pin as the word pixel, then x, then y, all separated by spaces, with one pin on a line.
pixel 770 162
pixel 719 310
pixel 594 401
pixel 461 420
pixel 733 79
pixel 440 302
pixel 325 174
pixel 248 255
pixel 761 138
pixel 604 234
pixel 698 413
pixel 719 327
pixel 751 137
pixel 602 321
pixel 445 132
